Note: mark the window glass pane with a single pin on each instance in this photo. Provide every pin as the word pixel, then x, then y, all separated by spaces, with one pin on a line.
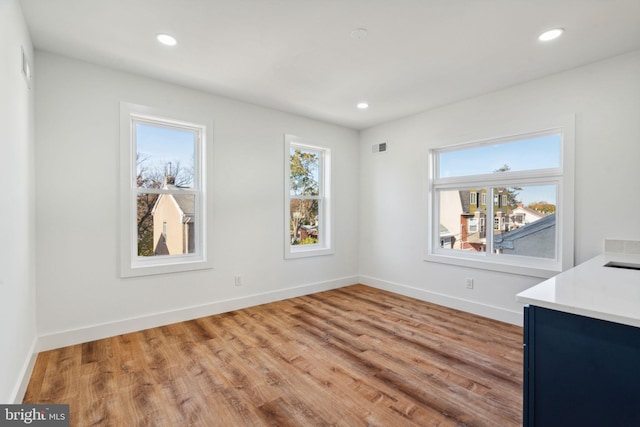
pixel 164 156
pixel 527 154
pixel 303 221
pixel 524 220
pixel 462 220
pixel 526 224
pixel 304 179
pixel 166 224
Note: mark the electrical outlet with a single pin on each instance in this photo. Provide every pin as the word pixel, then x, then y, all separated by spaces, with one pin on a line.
pixel 469 282
pixel 238 280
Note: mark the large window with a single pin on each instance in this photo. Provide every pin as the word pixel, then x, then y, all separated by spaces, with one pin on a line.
pixel 525 177
pixel 307 199
pixel 163 193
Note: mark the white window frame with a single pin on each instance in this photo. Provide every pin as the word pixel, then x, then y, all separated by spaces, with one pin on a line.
pixel 325 211
pixel 132 265
pixel 562 178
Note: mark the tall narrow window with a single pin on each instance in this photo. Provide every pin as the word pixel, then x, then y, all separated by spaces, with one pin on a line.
pixel 164 198
pixel 529 214
pixel 307 201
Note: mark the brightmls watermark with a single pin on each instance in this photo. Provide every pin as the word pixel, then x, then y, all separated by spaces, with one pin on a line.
pixel 34 415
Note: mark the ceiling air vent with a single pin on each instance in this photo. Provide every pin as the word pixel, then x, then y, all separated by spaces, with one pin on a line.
pixel 379 148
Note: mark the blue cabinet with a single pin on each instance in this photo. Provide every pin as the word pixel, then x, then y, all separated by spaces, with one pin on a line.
pixel 579 371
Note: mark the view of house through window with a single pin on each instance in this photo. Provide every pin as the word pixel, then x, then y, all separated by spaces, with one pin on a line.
pixel 498 198
pixel 166 188
pixel 163 198
pixel 523 220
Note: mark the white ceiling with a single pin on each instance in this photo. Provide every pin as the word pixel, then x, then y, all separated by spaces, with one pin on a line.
pixel 298 55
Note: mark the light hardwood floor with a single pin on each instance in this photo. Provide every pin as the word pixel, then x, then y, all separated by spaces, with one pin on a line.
pixel 355 356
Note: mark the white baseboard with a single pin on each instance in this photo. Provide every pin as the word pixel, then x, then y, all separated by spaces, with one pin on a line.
pixel 105 330
pixel 474 307
pixel 17 395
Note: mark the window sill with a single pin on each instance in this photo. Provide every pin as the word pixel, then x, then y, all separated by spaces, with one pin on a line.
pixel 153 266
pixel 307 252
pixel 543 269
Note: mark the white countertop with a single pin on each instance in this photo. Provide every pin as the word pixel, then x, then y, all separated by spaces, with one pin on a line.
pixel 590 289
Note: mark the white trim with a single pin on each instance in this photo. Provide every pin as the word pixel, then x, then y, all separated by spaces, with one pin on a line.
pixel 19 390
pixel 105 330
pixel 130 265
pixel 562 177
pixel 469 306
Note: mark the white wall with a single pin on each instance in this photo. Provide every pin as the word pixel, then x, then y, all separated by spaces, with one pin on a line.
pixel 605 98
pixel 17 225
pixel 380 200
pixel 80 296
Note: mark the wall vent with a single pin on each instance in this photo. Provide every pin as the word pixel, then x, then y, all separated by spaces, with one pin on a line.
pixel 379 148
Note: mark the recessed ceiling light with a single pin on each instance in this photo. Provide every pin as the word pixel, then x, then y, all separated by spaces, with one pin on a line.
pixel 551 34
pixel 166 39
pixel 362 105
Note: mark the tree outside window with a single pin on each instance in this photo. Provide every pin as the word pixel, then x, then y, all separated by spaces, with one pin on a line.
pixel 305 196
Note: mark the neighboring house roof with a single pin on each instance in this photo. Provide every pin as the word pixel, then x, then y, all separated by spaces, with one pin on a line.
pixel 505 240
pixel 444 231
pixel 184 202
pixel 529 211
pixel 465 201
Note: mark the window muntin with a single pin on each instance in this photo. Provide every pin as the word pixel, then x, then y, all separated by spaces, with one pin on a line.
pixel 307 210
pixel 163 208
pixel 526 203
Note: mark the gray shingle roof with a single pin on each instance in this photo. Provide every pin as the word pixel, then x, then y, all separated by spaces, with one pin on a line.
pixel 505 240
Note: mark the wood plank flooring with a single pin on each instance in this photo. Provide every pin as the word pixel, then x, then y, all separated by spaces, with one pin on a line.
pixel 355 356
